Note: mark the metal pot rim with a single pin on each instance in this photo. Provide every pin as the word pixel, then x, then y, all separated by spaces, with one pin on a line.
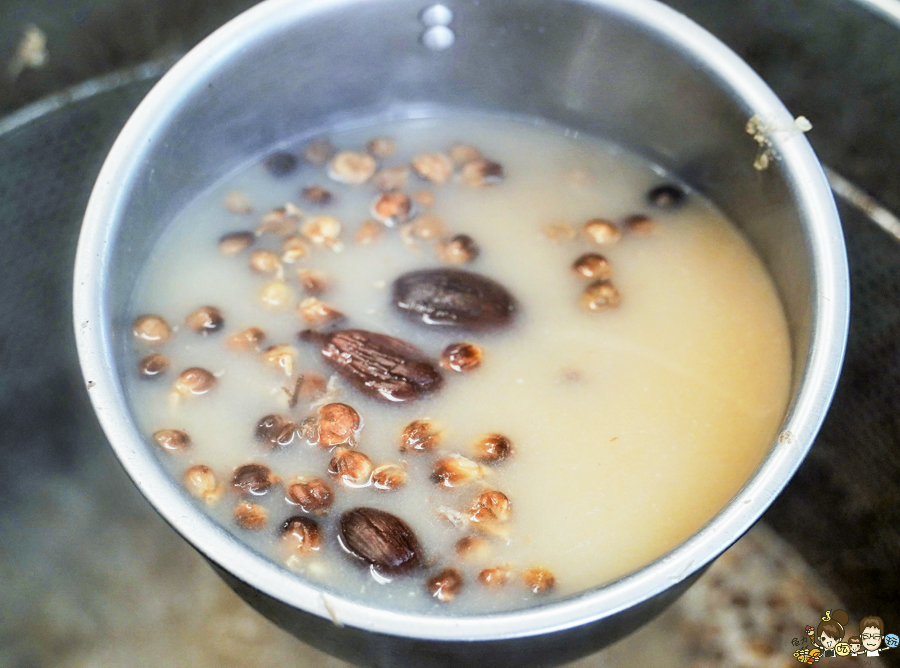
pixel 829 330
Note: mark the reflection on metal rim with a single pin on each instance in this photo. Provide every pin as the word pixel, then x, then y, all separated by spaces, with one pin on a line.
pixel 84 90
pixel 858 198
pixel 889 9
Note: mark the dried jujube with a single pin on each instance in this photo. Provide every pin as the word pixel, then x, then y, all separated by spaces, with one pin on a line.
pixel 389 476
pixel 493 448
pixel 275 295
pixel 600 296
pixel 309 429
pixel 300 536
pixel 152 329
pixel 322 230
pixel 666 196
pixel 472 548
pixel 280 221
pixel 455 470
pixel 380 539
pixel 369 232
pixel 281 356
pixel 194 381
pixel 426 227
pixel 453 298
pixel 539 580
pixel 205 320
pixel 317 195
pixel 339 424
pixel 458 249
pixel 248 339
pixel 381 147
pixel 275 431
pixel 445 585
pixel 264 261
pixel 313 496
pixel 172 440
pixel 350 467
pixel 434 167
pixel 235 242
pixel 200 481
pixel 351 167
pixel 391 208
pixel 602 231
pixel 313 281
pixel 420 436
pixel 317 313
pixel 249 515
pixel 496 576
pixel 490 506
pixel 153 365
pixel 592 265
pixel 481 172
pixel 293 248
pixel 280 163
pixel 381 366
pixel 255 479
pixel 461 357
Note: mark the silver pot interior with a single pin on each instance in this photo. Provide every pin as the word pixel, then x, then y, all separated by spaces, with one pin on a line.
pixel 635 73
pixel 567 63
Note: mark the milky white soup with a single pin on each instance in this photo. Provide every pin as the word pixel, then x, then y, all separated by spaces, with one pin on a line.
pixel 631 424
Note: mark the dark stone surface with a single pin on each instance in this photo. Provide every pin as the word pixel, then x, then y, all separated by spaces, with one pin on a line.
pixel 842 509
pixel 48 171
pixel 87 38
pixel 55 462
pixel 835 61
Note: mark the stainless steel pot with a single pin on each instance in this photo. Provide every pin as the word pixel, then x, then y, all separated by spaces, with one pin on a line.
pixel 633 71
